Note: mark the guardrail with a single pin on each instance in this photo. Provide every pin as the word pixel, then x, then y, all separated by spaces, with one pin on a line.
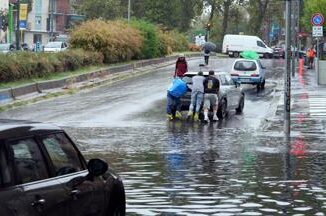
pixel 10 94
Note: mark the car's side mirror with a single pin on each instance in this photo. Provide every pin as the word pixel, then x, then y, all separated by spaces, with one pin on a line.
pixel 96 167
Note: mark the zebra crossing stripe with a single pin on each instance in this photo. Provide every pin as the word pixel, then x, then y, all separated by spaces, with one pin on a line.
pixel 317 105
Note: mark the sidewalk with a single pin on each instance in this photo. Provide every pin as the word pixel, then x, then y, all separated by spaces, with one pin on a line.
pixel 308 107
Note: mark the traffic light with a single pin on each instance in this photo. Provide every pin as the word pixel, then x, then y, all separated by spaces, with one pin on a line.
pixel 208 26
pixel 38 46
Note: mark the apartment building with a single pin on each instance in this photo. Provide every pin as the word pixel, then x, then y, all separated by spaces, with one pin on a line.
pixel 49 19
pixel 4 5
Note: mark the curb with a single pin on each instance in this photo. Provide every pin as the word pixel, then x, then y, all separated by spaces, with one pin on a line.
pixel 11 95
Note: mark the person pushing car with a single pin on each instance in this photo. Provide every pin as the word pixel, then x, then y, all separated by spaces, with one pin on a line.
pixel 211 89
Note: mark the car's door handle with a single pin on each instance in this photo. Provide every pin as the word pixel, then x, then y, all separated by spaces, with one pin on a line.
pixel 38 202
pixel 74 193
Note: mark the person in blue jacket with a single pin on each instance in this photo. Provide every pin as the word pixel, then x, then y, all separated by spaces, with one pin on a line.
pixel 173 107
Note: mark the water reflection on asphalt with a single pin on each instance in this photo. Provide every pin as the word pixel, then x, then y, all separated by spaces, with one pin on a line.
pixel 194 169
pixel 232 167
pixel 238 166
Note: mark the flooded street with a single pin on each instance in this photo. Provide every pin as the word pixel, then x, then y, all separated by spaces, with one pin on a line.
pixel 238 166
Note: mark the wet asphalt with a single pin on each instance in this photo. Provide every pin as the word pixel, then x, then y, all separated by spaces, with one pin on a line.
pixel 238 166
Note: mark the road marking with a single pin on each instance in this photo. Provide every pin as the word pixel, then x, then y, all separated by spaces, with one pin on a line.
pixel 317 105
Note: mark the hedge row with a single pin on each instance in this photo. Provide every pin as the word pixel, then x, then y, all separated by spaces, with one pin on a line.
pixel 120 41
pixel 26 65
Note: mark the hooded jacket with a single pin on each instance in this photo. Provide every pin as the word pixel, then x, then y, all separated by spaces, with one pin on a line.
pixel 181 67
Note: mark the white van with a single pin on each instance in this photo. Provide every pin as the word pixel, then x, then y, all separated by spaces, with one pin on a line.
pixel 233 45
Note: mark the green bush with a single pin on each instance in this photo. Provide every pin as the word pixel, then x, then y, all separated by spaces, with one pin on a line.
pixel 179 41
pixel 116 40
pixel 151 43
pixel 26 65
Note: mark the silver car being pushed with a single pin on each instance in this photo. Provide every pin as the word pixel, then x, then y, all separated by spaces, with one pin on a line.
pixel 231 96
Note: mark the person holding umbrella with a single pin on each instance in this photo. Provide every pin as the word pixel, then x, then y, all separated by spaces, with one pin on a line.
pixel 208 47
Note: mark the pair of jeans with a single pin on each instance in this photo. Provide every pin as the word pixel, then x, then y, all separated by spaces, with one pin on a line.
pixel 196 100
pixel 173 104
pixel 206 59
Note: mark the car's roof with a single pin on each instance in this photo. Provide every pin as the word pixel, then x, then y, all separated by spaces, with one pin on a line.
pixel 205 73
pixel 241 59
pixel 11 129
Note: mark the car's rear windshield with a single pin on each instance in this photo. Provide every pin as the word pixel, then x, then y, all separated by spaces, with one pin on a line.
pixel 245 66
pixel 188 78
pixel 4 46
pixel 53 45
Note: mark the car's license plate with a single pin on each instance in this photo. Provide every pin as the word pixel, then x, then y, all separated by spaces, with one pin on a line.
pixel 245 80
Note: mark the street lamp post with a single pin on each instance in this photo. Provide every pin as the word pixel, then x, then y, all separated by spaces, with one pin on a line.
pixel 287 75
pixel 129 5
pixel 18 27
pixel 52 21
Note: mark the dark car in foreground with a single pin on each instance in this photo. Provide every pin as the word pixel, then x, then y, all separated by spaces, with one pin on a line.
pixel 43 173
pixel 231 96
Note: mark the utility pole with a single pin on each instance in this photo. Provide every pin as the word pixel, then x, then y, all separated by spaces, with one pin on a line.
pixel 298 42
pixel 129 6
pixel 18 27
pixel 287 75
pixel 293 36
pixel 52 20
pixel 10 22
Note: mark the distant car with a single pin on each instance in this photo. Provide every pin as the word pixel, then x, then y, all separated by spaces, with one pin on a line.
pixel 6 48
pixel 43 173
pixel 231 97
pixel 249 71
pixel 278 52
pixel 55 46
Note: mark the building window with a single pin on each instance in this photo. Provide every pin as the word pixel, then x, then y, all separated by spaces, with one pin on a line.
pixel 37 38
pixel 38 23
pixel 38 6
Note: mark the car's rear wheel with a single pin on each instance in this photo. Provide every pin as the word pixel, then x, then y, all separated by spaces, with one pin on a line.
pixel 239 109
pixel 258 87
pixel 262 85
pixel 222 110
pixel 236 55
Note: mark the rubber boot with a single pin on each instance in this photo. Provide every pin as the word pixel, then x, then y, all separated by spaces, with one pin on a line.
pixel 196 117
pixel 178 115
pixel 189 116
pixel 169 117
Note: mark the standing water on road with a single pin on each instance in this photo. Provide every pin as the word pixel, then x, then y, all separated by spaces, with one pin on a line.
pixel 231 167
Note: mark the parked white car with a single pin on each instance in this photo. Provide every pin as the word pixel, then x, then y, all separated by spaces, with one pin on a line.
pixel 233 45
pixel 55 46
pixel 249 71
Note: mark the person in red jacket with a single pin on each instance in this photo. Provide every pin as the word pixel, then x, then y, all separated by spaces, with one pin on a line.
pixel 181 66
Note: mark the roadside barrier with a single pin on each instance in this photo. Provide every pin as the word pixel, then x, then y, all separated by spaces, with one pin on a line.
pixel 11 94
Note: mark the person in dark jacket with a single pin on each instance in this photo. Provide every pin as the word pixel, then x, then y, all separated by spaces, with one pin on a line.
pixel 211 89
pixel 181 66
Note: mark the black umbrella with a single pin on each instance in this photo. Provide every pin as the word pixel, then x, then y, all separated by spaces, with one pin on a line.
pixel 209 46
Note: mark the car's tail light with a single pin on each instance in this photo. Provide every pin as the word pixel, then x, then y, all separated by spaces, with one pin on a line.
pixel 255 75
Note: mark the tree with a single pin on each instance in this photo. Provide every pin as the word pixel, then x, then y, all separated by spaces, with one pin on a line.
pixel 106 9
pixel 172 14
pixel 257 10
